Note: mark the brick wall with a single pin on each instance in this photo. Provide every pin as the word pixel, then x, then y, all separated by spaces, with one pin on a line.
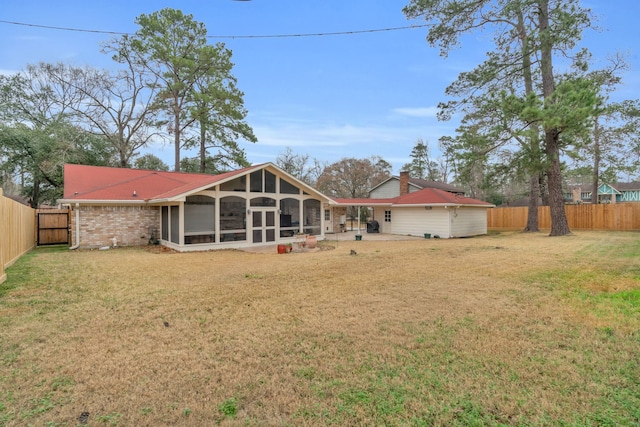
pixel 337 213
pixel 404 183
pixel 128 224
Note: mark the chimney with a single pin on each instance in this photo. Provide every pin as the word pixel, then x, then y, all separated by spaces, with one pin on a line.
pixel 576 194
pixel 404 183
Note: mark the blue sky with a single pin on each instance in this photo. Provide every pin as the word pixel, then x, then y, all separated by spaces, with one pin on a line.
pixel 331 96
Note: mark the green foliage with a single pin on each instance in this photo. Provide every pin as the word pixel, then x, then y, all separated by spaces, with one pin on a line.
pixel 195 87
pixel 150 162
pixel 422 165
pixel 506 117
pixel 229 408
pixel 213 165
pixel 112 419
pixel 219 113
pixel 37 137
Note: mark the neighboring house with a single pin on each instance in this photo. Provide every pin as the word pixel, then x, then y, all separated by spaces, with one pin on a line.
pixel 258 205
pixel 431 211
pixel 391 186
pixel 617 193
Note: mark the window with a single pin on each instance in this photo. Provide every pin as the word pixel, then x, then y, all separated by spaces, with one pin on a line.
pixel 289 217
pixel 175 224
pixel 233 219
pixel 263 202
pixel 288 188
pixel 199 220
pixel 387 216
pixel 327 214
pixel 311 215
pixel 269 182
pixel 165 223
pixel 255 181
pixel 238 184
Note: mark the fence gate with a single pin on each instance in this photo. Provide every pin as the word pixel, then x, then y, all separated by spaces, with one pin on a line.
pixel 53 226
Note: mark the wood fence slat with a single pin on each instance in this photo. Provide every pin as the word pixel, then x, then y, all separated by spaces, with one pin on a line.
pixel 613 217
pixel 17 232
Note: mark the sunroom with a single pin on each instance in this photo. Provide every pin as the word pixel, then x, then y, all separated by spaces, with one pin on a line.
pixel 256 207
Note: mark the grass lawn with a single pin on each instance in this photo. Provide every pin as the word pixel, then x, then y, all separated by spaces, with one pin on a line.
pixel 505 329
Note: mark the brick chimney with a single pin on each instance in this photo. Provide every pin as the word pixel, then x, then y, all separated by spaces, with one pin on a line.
pixel 404 183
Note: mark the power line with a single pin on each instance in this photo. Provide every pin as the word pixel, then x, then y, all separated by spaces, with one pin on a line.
pixel 49 27
pixel 337 33
pixel 265 36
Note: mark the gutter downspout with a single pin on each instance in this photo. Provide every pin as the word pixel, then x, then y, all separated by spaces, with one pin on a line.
pixel 77 245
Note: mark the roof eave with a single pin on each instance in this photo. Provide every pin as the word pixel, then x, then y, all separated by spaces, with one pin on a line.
pixel 455 205
pixel 336 203
pixel 101 202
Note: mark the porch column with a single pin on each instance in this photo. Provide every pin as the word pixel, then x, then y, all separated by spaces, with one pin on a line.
pixel 181 224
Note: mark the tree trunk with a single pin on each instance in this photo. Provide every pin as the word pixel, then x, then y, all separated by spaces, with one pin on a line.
pixel 123 157
pixel 559 223
pixel 534 162
pixel 35 193
pixel 176 141
pixel 532 212
pixel 596 162
pixel 544 189
pixel 203 151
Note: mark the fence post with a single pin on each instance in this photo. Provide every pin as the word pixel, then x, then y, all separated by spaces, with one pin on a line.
pixel 3 215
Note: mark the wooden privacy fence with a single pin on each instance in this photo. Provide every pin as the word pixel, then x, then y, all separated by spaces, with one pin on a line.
pixel 614 217
pixel 17 232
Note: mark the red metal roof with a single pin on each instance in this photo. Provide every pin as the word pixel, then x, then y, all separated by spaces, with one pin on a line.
pixel 98 183
pixel 425 197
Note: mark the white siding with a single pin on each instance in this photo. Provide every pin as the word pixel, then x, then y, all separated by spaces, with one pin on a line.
pixel 446 223
pixel 418 221
pixel 378 215
pixel 467 221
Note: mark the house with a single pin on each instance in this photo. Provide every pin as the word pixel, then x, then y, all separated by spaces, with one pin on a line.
pixel 430 210
pixel 391 186
pixel 617 193
pixel 257 205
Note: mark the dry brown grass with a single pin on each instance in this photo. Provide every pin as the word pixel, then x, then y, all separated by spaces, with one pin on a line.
pixel 428 332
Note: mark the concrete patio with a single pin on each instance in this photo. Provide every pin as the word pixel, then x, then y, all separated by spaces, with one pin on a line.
pixel 339 237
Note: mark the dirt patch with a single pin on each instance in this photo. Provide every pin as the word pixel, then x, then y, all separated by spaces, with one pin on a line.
pixel 159 249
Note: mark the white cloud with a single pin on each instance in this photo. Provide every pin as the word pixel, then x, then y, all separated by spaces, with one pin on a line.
pixel 330 140
pixel 417 112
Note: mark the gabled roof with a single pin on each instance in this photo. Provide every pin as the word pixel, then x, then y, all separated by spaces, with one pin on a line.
pixel 627 186
pixel 436 196
pixel 424 183
pixel 98 184
pixel 425 197
pixel 619 187
pixel 607 189
pixel 105 184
